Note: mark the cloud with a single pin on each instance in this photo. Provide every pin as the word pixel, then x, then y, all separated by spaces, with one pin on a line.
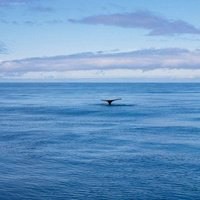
pixel 166 75
pixel 144 59
pixel 31 5
pixel 155 24
pixel 32 22
pixel 15 2
pixel 146 63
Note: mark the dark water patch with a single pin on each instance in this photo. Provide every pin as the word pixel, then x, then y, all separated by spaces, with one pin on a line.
pixel 115 105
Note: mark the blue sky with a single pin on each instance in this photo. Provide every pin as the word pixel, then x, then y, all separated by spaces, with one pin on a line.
pixel 122 40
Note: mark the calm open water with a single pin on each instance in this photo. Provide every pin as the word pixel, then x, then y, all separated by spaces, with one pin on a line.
pixel 59 141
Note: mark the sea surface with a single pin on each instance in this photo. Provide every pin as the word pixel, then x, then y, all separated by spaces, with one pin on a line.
pixel 60 141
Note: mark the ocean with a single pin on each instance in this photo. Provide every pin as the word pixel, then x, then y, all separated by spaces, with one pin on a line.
pixel 60 141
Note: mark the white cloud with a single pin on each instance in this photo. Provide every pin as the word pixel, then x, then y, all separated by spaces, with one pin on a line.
pixel 141 64
pixel 127 74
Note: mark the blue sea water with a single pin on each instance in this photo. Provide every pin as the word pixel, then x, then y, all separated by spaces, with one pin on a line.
pixel 59 141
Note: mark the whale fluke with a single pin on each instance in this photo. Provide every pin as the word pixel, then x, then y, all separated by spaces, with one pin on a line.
pixel 109 101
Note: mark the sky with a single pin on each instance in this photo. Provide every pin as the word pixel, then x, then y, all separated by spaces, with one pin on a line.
pixel 100 40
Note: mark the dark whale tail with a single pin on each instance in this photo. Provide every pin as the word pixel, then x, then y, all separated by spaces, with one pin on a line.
pixel 109 101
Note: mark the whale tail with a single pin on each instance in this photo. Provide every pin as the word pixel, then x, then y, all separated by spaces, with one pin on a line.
pixel 109 101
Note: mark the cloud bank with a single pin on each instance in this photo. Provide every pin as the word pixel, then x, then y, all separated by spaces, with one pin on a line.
pixel 172 63
pixel 155 24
